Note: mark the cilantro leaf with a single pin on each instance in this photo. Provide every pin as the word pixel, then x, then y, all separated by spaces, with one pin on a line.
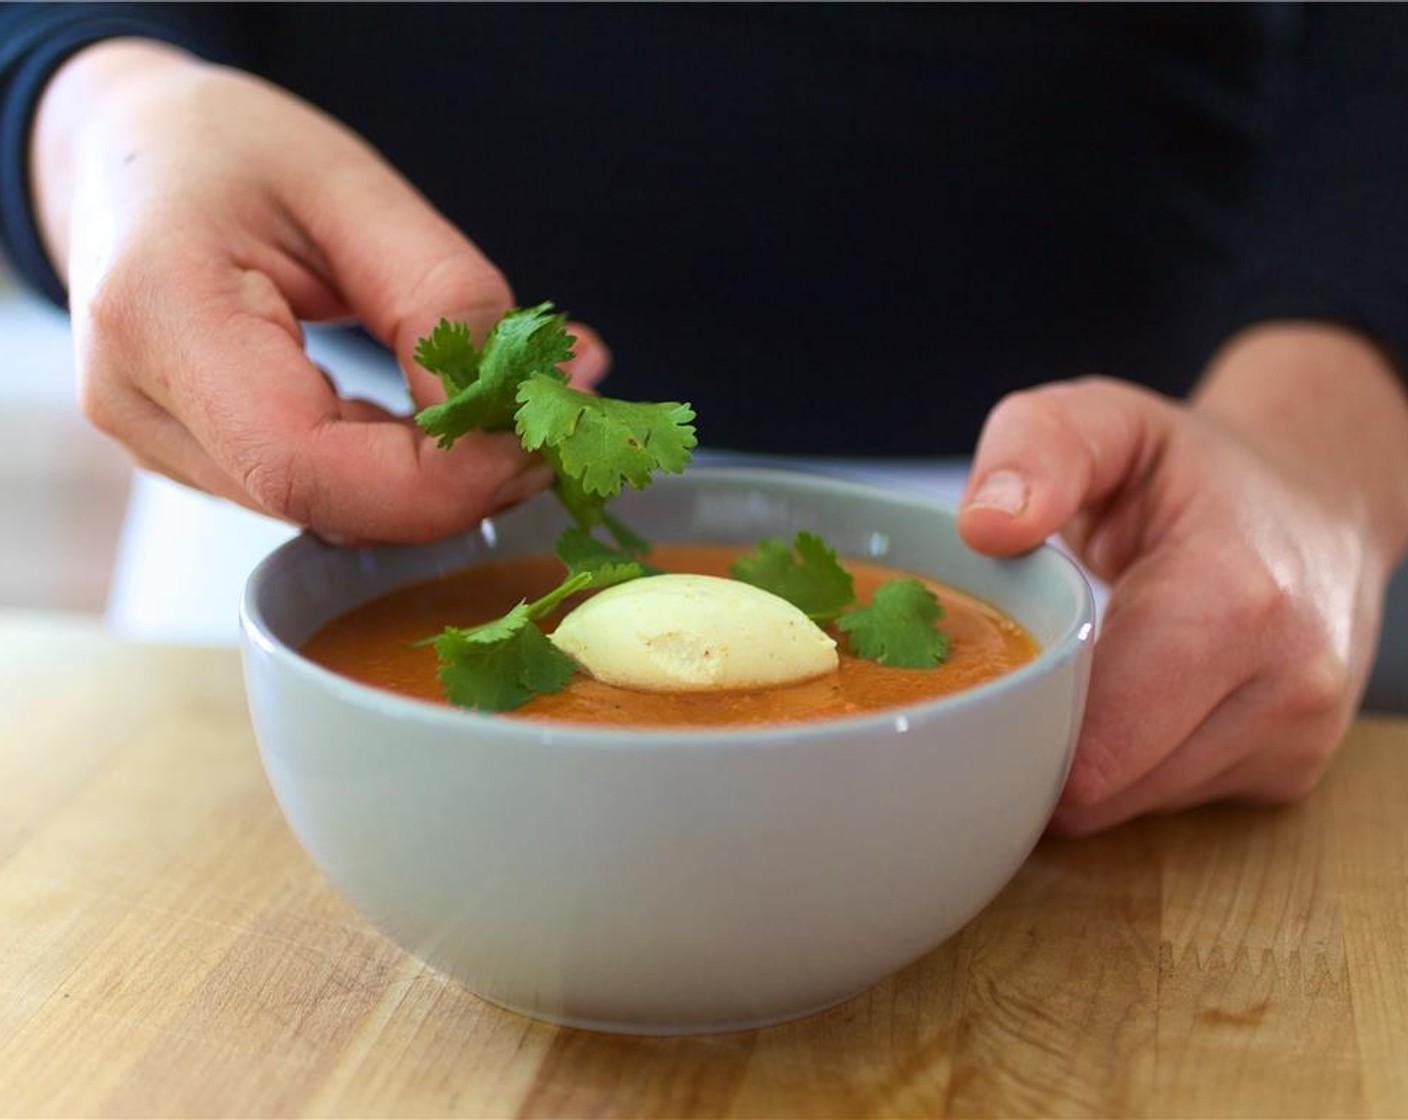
pixel 609 575
pixel 487 390
pixel 807 575
pixel 450 354
pixel 502 665
pixel 600 443
pixel 582 552
pixel 527 342
pixel 898 628
pixel 482 385
pixel 496 631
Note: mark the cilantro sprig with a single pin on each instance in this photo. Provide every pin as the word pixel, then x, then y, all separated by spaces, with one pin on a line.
pixel 600 443
pixel 898 628
pixel 481 385
pixel 597 446
pixel 805 573
pixel 501 665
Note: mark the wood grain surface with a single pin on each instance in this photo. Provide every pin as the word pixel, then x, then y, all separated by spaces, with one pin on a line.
pixel 167 950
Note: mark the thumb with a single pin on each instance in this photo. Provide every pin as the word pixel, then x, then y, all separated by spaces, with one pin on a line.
pixel 1046 454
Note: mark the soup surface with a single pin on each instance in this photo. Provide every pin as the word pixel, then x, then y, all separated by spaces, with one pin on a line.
pixel 373 644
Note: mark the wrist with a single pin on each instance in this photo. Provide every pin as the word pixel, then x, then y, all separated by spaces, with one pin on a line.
pixel 75 99
pixel 1326 405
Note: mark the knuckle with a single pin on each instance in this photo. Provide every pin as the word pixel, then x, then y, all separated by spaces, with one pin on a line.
pixel 457 283
pixel 1022 403
pixel 1257 602
pixel 116 306
pixel 1124 397
pixel 1312 680
pixel 1299 770
pixel 1089 784
pixel 278 480
pixel 261 298
pixel 1106 386
pixel 1303 777
pixel 1100 381
pixel 95 402
pixel 119 337
pixel 1319 688
pixel 1036 415
pixel 1057 410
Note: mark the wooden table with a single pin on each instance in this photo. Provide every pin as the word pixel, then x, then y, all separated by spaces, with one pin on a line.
pixel 166 949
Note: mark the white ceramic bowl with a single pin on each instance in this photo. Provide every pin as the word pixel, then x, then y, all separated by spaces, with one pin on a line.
pixel 655 881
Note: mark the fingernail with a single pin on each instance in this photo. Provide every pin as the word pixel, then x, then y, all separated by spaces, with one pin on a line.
pixel 1001 490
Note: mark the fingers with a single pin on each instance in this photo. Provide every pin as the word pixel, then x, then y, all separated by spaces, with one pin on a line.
pixel 195 265
pixel 1195 770
pixel 299 456
pixel 400 264
pixel 160 443
pixel 1164 662
pixel 1241 751
pixel 1211 679
pixel 1049 453
pixel 253 420
pixel 402 267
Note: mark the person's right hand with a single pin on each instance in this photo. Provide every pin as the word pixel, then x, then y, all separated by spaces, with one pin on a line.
pixel 198 215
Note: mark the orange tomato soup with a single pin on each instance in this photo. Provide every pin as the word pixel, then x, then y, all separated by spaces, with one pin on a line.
pixel 374 644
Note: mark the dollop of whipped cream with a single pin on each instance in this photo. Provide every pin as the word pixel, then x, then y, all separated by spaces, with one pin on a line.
pixel 693 633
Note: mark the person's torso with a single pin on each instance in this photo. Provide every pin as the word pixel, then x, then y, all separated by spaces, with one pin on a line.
pixel 834 229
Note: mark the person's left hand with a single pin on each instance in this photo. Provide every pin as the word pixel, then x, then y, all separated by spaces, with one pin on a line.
pixel 1248 538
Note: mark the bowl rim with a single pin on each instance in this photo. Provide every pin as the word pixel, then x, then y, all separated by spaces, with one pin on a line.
pixel 256 633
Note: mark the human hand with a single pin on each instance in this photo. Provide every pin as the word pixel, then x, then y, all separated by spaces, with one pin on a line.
pixel 199 215
pixel 1248 538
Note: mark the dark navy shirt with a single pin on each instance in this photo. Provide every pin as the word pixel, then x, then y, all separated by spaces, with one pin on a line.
pixel 850 229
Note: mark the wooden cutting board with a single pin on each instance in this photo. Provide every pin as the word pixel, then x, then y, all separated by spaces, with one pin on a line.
pixel 167 950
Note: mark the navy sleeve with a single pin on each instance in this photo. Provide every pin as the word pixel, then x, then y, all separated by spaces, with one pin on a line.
pixel 35 40
pixel 1333 236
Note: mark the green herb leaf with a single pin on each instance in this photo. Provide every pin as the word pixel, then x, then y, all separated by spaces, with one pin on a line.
pixel 589 510
pixel 502 665
pixel 609 575
pixel 450 354
pixel 899 627
pixel 582 552
pixel 598 443
pixel 807 575
pixel 596 446
pixel 482 385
